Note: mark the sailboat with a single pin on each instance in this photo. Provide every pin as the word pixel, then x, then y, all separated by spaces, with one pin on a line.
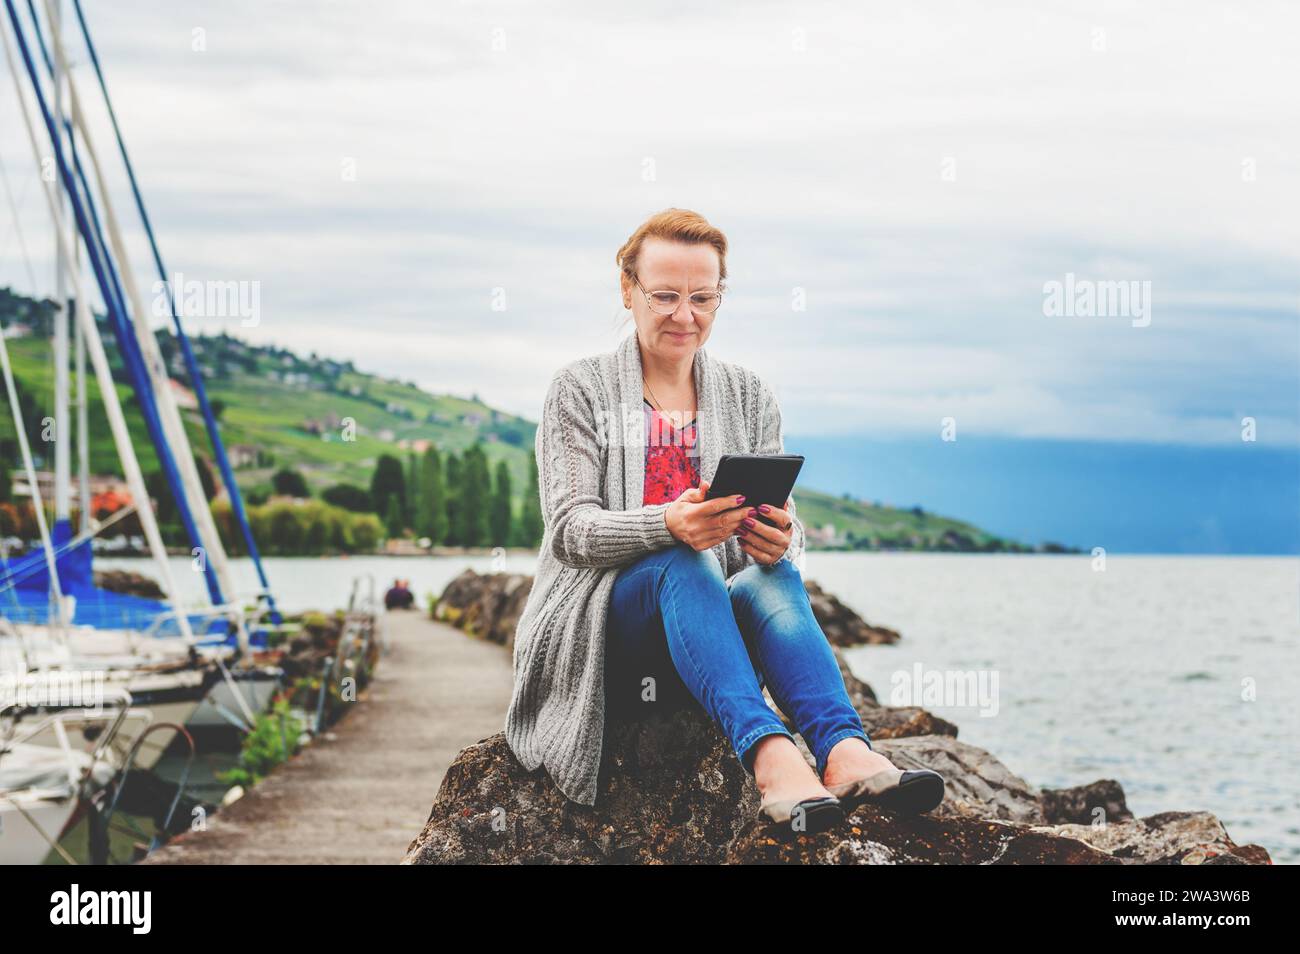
pixel 43 788
pixel 167 655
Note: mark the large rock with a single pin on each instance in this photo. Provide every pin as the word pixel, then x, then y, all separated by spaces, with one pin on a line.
pixel 1099 801
pixel 1169 838
pixel 873 836
pixel 485 604
pixel 128 582
pixel 672 791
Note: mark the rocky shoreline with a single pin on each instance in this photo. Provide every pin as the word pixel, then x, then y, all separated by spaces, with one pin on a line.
pixel 671 791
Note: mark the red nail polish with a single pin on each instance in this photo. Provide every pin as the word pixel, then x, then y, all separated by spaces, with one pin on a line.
pixel 739 501
pixel 763 508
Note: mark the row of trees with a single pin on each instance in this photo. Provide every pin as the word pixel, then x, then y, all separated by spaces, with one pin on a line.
pixel 280 527
pixel 447 498
pixel 452 499
pixel 311 528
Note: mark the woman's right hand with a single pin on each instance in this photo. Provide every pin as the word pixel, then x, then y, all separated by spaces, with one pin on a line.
pixel 700 523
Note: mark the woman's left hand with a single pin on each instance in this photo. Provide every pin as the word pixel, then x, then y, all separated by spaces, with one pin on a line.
pixel 764 543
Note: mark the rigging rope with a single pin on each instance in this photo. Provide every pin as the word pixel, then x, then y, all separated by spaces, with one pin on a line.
pixel 18 227
pixel 181 468
pixel 26 451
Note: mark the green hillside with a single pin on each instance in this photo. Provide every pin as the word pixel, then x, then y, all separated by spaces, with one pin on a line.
pixel 318 416
pixel 330 422
pixel 862 525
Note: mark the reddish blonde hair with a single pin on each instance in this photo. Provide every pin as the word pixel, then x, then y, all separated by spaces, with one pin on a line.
pixel 674 225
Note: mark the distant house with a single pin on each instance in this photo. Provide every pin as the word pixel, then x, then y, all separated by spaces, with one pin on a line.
pixel 419 445
pixel 111 488
pixel 109 502
pixel 242 455
pixel 44 481
pixel 825 535
pixel 385 435
pixel 395 546
pixel 185 398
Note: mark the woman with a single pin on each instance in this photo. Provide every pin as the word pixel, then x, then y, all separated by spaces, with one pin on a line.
pixel 648 594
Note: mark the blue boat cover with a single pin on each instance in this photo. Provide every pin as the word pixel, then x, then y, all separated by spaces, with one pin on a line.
pixel 25 595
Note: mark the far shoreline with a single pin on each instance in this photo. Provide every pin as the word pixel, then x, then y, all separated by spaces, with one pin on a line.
pixel 520 551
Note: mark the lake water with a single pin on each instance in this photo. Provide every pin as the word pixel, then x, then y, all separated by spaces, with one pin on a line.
pixel 1177 676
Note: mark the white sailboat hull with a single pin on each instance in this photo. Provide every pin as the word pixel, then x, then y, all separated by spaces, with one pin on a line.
pixel 154 745
pixel 21 842
pixel 168 695
pixel 257 694
pixel 40 790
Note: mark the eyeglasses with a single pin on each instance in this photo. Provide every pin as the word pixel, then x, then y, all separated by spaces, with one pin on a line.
pixel 666 302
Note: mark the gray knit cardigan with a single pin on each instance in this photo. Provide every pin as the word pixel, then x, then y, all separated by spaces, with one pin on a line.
pixel 591 474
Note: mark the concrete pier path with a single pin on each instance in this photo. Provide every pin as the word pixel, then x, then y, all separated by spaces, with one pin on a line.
pixel 359 794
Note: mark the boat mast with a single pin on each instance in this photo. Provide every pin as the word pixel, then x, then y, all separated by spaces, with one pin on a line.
pixel 83 428
pixel 55 14
pixel 62 418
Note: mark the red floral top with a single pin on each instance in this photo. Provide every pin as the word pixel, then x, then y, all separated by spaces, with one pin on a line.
pixel 672 458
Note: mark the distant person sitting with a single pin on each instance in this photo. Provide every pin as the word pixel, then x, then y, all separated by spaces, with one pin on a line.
pixel 399 596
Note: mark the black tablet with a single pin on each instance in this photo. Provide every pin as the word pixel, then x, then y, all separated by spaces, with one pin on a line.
pixel 759 478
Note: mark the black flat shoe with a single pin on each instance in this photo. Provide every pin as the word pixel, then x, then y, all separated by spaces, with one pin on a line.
pixel 805 816
pixel 914 791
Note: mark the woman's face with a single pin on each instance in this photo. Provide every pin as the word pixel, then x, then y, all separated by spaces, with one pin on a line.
pixel 672 266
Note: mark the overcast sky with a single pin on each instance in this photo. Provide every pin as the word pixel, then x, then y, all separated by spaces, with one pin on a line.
pixel 919 171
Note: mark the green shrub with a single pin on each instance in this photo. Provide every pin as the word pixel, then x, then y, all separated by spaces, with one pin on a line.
pixel 274 739
pixel 303 528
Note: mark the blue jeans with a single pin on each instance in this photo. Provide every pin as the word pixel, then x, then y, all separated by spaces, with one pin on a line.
pixel 678 633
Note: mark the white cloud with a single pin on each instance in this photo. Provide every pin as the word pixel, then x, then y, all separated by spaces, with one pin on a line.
pixel 521 167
